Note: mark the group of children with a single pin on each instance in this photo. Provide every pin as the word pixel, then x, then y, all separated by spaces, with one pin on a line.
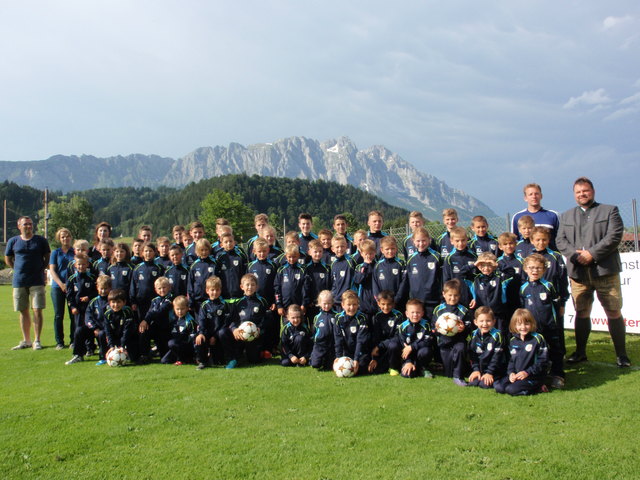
pixel 328 295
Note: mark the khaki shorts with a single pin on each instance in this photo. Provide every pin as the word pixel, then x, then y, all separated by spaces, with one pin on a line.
pixel 21 297
pixel 607 288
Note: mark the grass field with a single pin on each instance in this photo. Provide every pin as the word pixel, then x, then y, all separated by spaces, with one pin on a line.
pixel 164 422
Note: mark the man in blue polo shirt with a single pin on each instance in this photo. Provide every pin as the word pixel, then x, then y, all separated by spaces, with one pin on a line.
pixel 28 255
pixel 541 216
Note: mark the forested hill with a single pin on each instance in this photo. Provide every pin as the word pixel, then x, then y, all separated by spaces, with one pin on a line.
pixel 282 198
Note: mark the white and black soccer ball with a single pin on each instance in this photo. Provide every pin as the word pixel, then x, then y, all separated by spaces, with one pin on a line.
pixel 117 357
pixel 448 324
pixel 344 367
pixel 248 331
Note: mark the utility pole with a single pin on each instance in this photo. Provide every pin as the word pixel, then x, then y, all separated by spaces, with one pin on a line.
pixel 46 212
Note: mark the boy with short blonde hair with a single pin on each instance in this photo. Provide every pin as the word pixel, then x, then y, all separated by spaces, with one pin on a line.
pixel 342 269
pixel 482 241
pixel 524 247
pixel 351 333
pixel 416 220
pixel 363 278
pixel 460 264
pixel 375 221
pixel 450 220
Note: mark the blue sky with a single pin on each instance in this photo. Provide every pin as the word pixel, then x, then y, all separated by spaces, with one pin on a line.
pixel 487 96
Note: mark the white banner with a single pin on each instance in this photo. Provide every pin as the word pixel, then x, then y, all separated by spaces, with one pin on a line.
pixel 630 280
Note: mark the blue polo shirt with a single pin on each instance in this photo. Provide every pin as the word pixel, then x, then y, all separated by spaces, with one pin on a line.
pixel 61 261
pixel 29 260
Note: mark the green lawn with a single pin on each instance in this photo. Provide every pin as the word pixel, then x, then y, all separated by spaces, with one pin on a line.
pixel 162 421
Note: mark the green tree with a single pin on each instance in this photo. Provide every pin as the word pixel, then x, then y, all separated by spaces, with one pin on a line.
pixel 75 214
pixel 221 204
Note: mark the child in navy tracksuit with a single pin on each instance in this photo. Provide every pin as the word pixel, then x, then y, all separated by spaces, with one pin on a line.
pixel 422 279
pixel 295 341
pixel 101 265
pixel 524 247
pixel 490 290
pixel 203 267
pixel 416 220
pixel 289 283
pixel 121 325
pixel 120 270
pixel 482 241
pixel 264 270
pixel 486 351
pixel 142 289
pixel 231 266
pixel 252 308
pixel 323 352
pixel 155 324
pixel 163 252
pixel 384 328
pixel 317 277
pixel 389 270
pixel 510 267
pixel 539 296
pixel 183 328
pixel 177 272
pixel 94 316
pixel 363 278
pixel 411 351
pixel 450 220
pixel 528 361
pixel 460 264
pixel 214 341
pixel 81 288
pixel 452 348
pixel 342 270
pixel 351 333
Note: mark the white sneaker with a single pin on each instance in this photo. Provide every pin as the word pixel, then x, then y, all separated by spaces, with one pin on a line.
pixel 21 345
pixel 37 345
pixel 75 359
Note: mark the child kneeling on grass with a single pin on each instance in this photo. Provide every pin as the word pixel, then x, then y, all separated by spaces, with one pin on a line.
pixel 413 346
pixel 351 333
pixel 486 351
pixel 295 340
pixel 183 333
pixel 529 357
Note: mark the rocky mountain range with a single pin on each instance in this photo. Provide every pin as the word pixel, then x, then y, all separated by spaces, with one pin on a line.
pixel 375 169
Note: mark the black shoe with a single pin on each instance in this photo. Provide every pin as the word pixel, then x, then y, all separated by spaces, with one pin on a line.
pixel 576 357
pixel 623 361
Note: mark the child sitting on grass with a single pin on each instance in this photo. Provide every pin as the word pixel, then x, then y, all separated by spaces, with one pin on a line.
pixel 529 358
pixel 183 333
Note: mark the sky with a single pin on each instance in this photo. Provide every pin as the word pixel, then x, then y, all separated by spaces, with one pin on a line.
pixel 487 96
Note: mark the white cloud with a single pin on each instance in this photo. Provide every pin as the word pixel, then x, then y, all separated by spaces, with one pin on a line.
pixel 597 97
pixel 613 22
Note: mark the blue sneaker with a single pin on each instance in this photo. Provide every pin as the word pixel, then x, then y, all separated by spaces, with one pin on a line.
pixel 101 362
pixel 232 364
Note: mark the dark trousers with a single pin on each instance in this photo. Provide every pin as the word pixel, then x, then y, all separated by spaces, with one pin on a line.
pixel 528 386
pixel 322 356
pixel 453 359
pixel 557 350
pixel 59 301
pixel 160 334
pixel 179 350
pixel 301 348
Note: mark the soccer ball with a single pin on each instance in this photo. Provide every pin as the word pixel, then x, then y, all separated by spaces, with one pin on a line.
pixel 344 367
pixel 249 331
pixel 117 357
pixel 448 324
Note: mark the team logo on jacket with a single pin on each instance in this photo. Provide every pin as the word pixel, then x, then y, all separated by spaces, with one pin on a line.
pixel 154 273
pixel 390 323
pixel 141 277
pixel 456 269
pixel 342 273
pixel 268 270
pixel 516 269
pixel 321 276
pixel 414 271
pixel 431 265
pixel 395 271
pixel 481 287
pixel 87 284
pixel 171 281
pixel 198 274
pixel 381 276
pixel 124 274
pixel 302 334
pixel 420 335
pixel 321 325
pixel 243 313
pixel 543 296
pixel 235 263
pixel 210 269
pixel 490 347
pixel 181 328
pixel 256 309
pixel 286 279
pixel 478 349
pixel 513 351
pixel 183 277
pixel 548 263
pixel 354 329
pixel 219 312
pixel 492 246
pixel 529 347
pixel 297 276
pixel 492 283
